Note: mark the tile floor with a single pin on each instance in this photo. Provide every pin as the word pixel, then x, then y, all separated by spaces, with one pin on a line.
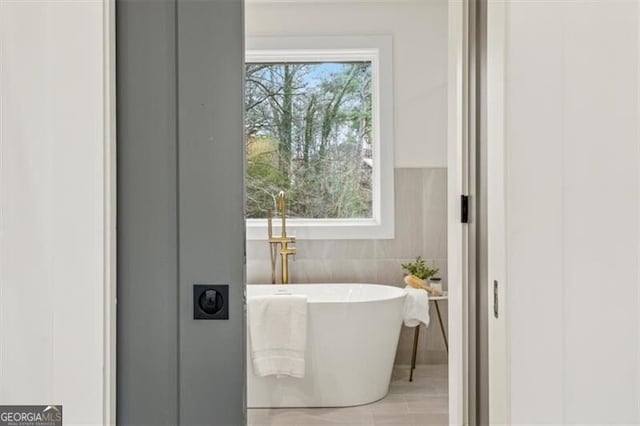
pixel 419 403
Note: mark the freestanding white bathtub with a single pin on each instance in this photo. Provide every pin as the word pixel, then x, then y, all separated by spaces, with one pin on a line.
pixel 352 335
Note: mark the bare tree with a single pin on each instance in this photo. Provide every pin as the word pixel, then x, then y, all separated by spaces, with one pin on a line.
pixel 309 131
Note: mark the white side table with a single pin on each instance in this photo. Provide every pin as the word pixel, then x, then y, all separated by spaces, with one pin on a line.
pixel 416 333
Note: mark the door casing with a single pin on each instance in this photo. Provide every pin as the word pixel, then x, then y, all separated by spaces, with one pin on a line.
pixel 498 357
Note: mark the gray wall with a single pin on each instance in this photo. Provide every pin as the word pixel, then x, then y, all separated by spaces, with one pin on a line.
pixel 180 210
pixel 421 229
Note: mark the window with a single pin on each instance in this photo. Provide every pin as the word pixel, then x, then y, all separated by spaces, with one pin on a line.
pixel 318 126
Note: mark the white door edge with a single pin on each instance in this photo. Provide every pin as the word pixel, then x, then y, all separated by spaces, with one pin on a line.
pixel 109 215
pixel 457 232
pixel 497 20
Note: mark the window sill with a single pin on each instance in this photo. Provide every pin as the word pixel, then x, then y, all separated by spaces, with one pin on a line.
pixel 319 229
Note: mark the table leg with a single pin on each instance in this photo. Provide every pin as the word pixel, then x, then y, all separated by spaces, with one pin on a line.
pixel 444 333
pixel 416 334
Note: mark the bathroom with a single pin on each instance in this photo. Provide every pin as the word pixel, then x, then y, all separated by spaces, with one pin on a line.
pixel 127 260
pixel 411 97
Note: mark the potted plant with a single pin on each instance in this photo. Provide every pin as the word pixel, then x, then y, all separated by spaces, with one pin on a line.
pixel 419 269
pixel 418 273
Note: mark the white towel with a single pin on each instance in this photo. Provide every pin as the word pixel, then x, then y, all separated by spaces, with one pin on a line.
pixel 278 334
pixel 416 307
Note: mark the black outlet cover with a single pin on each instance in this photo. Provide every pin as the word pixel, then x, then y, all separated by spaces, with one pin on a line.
pixel 211 301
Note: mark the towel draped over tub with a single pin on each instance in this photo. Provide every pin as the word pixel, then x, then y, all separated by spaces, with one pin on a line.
pixel 278 334
pixel 416 307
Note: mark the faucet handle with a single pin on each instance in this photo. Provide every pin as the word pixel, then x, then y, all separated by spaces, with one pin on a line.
pixel 288 250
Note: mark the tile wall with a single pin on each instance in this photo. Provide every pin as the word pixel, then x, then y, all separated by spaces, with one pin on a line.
pixel 421 229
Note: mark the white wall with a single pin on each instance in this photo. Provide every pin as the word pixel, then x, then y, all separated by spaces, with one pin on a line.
pixel 573 163
pixel 419 31
pixel 52 189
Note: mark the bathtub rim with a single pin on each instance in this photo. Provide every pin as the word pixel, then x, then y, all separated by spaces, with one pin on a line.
pixel 402 293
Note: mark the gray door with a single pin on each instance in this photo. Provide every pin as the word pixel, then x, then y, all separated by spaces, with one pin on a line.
pixel 180 210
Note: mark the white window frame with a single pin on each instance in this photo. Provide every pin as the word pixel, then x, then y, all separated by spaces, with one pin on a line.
pixel 378 51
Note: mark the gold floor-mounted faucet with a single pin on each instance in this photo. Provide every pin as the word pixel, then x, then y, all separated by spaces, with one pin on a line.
pixel 282 241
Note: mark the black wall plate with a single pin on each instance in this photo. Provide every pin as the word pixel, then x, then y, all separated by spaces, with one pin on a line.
pixel 211 301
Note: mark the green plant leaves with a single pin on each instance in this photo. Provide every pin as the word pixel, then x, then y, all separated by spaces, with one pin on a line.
pixel 420 269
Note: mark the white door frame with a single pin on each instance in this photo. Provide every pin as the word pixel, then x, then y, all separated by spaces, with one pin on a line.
pixel 458 233
pixel 458 148
pixel 497 20
pixel 109 213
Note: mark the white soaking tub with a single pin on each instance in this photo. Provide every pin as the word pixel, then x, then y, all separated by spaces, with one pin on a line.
pixel 352 336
